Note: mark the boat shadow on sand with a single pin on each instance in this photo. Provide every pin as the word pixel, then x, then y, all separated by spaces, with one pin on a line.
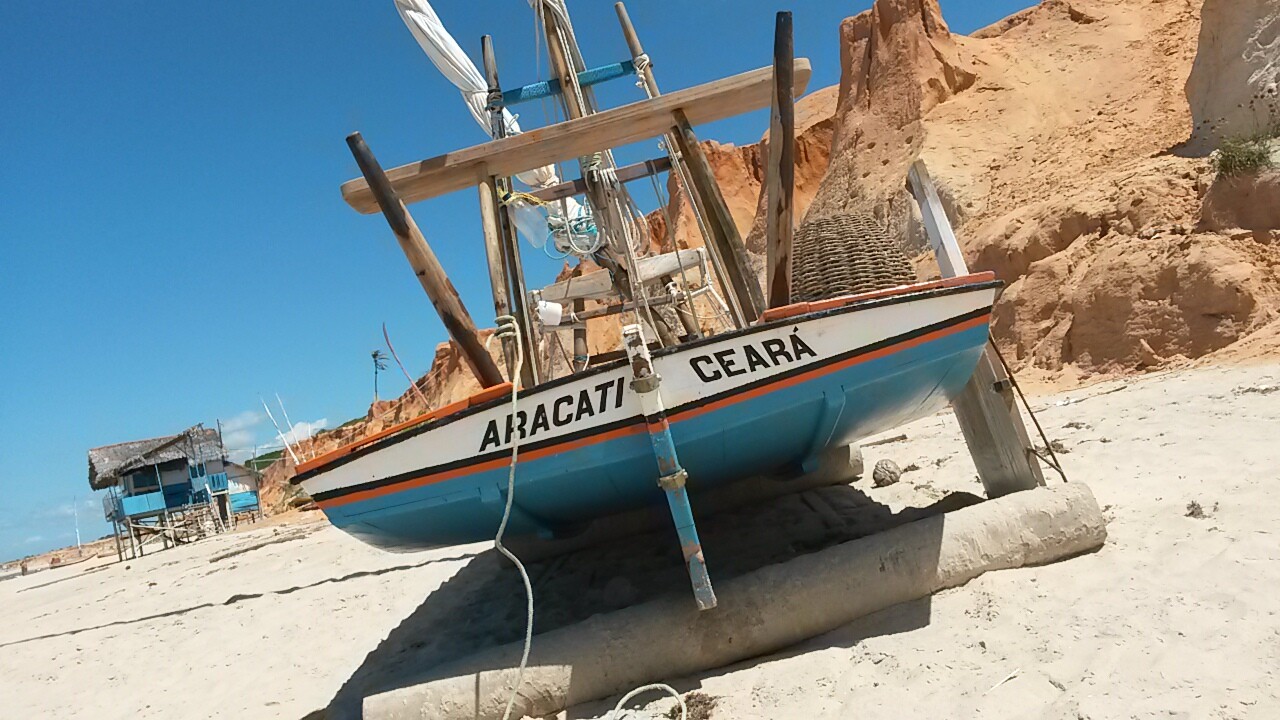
pixel 483 605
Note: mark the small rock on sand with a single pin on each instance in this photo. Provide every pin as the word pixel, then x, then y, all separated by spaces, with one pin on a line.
pixel 886 473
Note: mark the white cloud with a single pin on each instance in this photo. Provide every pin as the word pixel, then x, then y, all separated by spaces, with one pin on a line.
pixel 303 430
pixel 33 539
pixel 66 509
pixel 239 435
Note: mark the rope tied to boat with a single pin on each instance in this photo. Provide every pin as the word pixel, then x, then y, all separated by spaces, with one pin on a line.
pixel 642 64
pixel 508 327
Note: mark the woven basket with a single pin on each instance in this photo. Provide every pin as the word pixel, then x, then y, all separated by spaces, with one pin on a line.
pixel 845 254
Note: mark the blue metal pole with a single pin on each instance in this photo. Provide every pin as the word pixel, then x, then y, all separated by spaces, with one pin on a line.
pixel 672 477
pixel 586 78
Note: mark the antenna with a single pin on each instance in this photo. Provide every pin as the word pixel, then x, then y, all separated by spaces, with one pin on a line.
pixel 279 433
pixel 288 422
pixel 75 512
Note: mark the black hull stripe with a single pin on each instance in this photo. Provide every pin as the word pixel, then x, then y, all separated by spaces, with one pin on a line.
pixel 673 414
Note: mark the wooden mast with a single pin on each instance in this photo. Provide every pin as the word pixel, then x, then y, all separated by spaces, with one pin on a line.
pixel 724 233
pixel 780 173
pixel 570 97
pixel 509 243
pixel 724 243
pixel 427 267
pixel 498 279
pixel 575 105
pixel 644 68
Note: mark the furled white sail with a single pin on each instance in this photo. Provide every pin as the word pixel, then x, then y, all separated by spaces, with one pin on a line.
pixel 571 236
pixel 456 66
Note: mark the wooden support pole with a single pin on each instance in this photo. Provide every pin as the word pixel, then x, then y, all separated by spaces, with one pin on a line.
pixel 780 174
pixel 723 232
pixel 457 321
pixel 530 372
pixel 644 70
pixel 498 280
pixel 992 426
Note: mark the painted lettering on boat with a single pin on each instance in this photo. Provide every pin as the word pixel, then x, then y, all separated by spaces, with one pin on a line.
pixel 528 424
pixel 735 361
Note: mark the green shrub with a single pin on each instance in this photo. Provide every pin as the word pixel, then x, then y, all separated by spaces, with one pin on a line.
pixel 1243 155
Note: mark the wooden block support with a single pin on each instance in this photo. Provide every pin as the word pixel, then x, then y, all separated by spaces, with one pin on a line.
pixel 780 173
pixel 427 267
pixel 992 426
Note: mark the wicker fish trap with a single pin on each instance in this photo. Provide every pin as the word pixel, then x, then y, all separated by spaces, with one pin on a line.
pixel 845 254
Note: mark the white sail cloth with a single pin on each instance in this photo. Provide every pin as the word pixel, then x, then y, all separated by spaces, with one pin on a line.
pixel 456 66
pixel 449 58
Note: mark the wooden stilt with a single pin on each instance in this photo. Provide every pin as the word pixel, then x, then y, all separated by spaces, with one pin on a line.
pixel 780 175
pixel 457 321
pixel 992 426
pixel 115 531
pixel 723 232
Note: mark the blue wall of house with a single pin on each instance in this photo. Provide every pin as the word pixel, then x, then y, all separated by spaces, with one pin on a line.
pixel 244 501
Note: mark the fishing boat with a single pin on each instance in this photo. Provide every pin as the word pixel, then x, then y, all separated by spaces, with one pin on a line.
pixel 680 405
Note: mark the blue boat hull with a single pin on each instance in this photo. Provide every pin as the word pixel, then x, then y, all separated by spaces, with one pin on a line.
pixel 780 424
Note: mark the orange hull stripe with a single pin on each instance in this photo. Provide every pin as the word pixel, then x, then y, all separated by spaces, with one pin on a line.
pixel 457 407
pixel 639 427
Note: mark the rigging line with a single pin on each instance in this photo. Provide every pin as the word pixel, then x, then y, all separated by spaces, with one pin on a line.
pixel 664 202
pixel 386 336
pixel 1052 461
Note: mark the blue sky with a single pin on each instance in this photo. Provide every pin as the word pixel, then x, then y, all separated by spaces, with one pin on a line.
pixel 172 241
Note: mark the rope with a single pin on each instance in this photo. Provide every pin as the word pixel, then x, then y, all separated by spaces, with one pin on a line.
pixel 1052 459
pixel 508 327
pixel 642 64
pixel 684 709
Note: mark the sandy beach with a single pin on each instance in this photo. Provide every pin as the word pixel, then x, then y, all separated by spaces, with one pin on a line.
pixel 1174 617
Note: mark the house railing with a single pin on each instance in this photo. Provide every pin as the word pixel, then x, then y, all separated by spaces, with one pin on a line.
pixel 216 482
pixel 110 507
pixel 144 503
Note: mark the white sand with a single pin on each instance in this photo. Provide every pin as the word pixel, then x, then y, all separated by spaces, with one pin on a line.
pixel 1175 617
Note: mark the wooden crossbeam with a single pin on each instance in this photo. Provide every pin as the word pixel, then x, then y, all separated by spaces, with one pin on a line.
pixel 611 128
